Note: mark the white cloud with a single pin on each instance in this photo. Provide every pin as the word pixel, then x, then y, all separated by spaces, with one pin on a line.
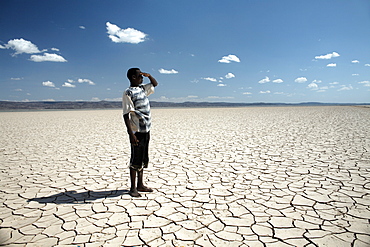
pixel 218 97
pixel 128 35
pixel 247 93
pixel 47 57
pixel 48 84
pixel 229 75
pixel 221 85
pixel 228 59
pixel 210 79
pixel 334 83
pixel 312 85
pixel 355 61
pixel 67 84
pixel 278 81
pixel 367 65
pixel 265 91
pixel 366 83
pixel 328 56
pixel 82 27
pixel 164 71
pixel 192 96
pixel 264 80
pixel 163 98
pixel 21 46
pixel 279 93
pixel 54 49
pixel 16 79
pixel 331 65
pixel 301 79
pixel 317 81
pixel 85 80
pixel 343 87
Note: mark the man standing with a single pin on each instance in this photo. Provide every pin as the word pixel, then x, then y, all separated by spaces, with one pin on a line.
pixel 137 118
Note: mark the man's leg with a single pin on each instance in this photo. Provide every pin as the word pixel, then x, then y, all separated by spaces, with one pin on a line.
pixel 133 190
pixel 140 174
pixel 135 164
pixel 140 184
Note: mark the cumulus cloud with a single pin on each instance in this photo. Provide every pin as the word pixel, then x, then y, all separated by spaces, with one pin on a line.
pixel 21 46
pixel 344 88
pixel 355 61
pixel 48 84
pixel 90 82
pixel 367 65
pixel 229 75
pixel 82 27
pixel 328 56
pixel 265 91
pixel 219 97
pixel 312 85
pixel 210 79
pixel 278 81
pixel 331 65
pixel 221 85
pixel 128 35
pixel 366 83
pixel 265 80
pixel 67 84
pixel 165 71
pixel 47 57
pixel 301 80
pixel 228 59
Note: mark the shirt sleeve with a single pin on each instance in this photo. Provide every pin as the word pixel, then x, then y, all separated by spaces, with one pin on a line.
pixel 148 89
pixel 127 104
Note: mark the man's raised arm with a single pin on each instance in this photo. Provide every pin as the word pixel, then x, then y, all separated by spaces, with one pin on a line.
pixel 153 81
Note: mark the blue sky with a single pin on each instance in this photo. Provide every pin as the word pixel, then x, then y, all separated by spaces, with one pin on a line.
pixel 231 51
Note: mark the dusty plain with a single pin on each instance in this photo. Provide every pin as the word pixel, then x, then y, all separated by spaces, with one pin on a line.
pixel 257 176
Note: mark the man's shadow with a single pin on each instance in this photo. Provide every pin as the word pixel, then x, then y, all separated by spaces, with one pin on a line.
pixel 78 197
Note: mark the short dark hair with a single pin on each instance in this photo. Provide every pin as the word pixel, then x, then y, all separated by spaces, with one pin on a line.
pixel 131 72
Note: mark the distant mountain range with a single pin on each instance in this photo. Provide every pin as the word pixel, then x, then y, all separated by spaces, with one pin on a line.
pixel 46 105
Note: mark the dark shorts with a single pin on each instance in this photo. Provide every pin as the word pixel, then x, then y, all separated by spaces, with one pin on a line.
pixel 140 153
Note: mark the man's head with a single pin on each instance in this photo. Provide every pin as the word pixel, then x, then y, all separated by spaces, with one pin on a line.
pixel 135 77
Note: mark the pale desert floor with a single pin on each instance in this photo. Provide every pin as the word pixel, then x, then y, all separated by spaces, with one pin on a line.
pixel 270 176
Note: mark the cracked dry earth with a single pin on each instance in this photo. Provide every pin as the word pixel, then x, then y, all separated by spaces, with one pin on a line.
pixel 272 176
